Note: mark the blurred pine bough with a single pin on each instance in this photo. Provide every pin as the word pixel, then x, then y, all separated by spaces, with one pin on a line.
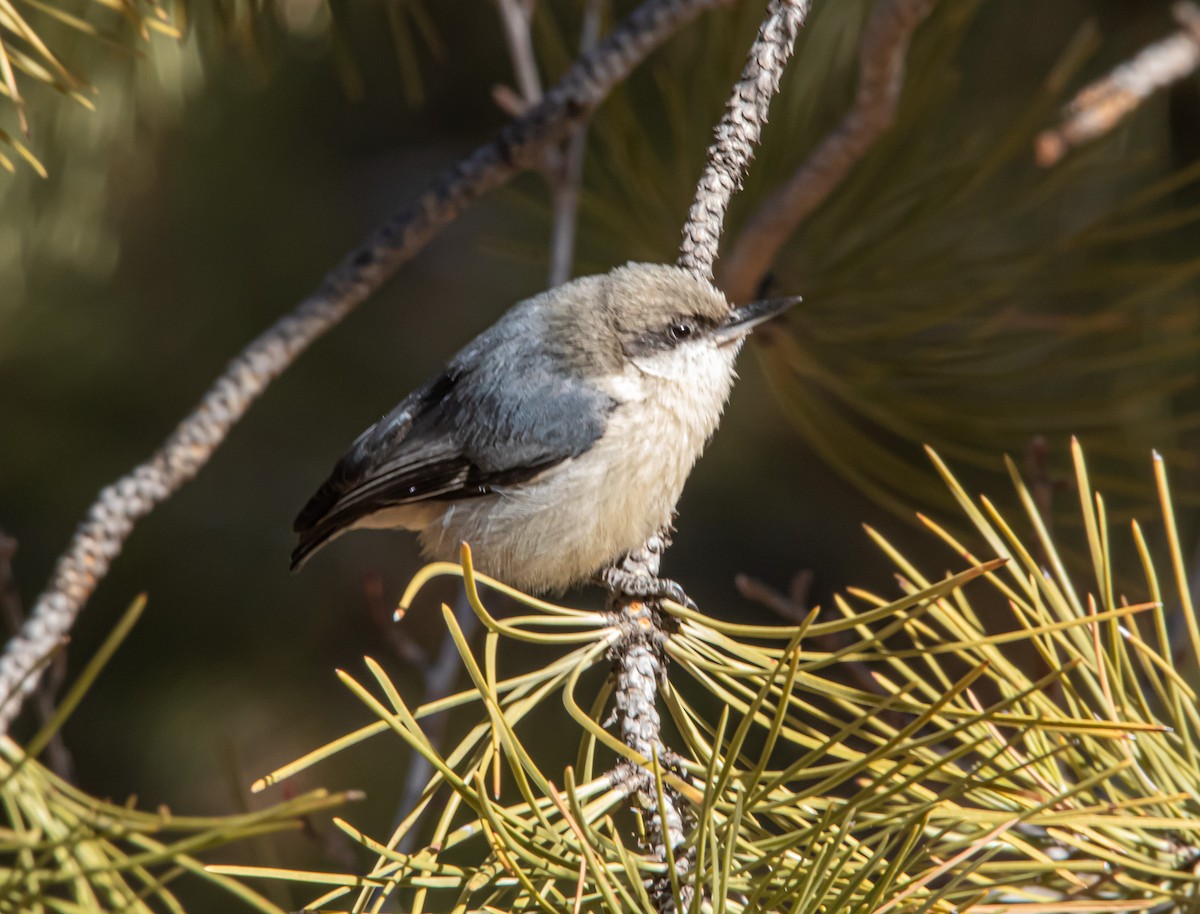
pixel 89 89
pixel 63 850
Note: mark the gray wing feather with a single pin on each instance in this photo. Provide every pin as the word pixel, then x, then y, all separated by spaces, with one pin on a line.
pixel 498 415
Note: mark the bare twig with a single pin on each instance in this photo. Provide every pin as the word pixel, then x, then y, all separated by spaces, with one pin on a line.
pixel 570 178
pixel 439 674
pixel 10 599
pixel 516 17
pixel 881 61
pixel 1099 107
pixel 1042 484
pixel 562 166
pixel 99 539
pixel 639 657
pixel 737 134
pixel 382 613
pixel 791 607
pixel 45 699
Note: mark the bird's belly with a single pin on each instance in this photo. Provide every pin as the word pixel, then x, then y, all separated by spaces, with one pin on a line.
pixel 573 520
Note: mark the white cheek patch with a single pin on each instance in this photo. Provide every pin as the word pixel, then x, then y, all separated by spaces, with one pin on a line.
pixel 658 364
pixel 627 387
pixel 682 362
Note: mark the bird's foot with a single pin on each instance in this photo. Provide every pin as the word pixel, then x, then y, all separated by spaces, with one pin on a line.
pixel 641 586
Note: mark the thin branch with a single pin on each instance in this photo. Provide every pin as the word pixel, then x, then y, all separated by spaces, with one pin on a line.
pixel 383 615
pixel 881 63
pixel 439 675
pixel 11 610
pixel 792 607
pixel 737 134
pixel 570 178
pixel 517 18
pixel 45 699
pixel 1099 107
pixel 562 166
pixel 639 657
pixel 439 672
pixel 99 539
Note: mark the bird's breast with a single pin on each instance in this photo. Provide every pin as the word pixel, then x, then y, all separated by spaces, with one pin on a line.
pixel 581 515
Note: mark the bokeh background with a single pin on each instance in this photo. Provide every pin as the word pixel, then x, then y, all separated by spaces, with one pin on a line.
pixel 955 294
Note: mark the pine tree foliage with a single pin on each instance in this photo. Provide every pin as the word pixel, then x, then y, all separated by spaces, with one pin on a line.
pixel 87 54
pixel 89 88
pixel 69 48
pixel 1050 764
pixel 62 850
pixel 45 46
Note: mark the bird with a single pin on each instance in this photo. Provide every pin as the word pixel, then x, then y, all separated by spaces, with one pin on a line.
pixel 556 443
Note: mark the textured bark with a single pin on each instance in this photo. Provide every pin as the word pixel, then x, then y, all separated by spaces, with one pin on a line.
pixel 639 657
pixel 882 54
pixel 639 662
pixel 100 537
pixel 738 133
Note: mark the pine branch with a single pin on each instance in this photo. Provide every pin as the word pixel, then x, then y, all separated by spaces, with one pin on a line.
pixel 640 665
pixel 737 134
pixel 882 54
pixel 99 539
pixel 959 778
pixel 1101 106
pixel 36 43
pixel 639 655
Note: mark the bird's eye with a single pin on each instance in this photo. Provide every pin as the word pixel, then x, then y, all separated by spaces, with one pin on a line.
pixel 681 331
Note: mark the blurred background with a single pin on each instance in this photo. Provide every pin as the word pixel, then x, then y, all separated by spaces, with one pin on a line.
pixel 956 294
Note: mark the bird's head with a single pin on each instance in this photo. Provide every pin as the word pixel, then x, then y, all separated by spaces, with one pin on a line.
pixel 665 321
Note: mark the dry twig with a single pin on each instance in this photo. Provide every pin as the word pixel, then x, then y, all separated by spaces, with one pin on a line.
pixel 439 672
pixel 570 176
pixel 737 134
pixel 45 699
pixel 99 539
pixel 639 658
pixel 516 16
pixel 881 59
pixel 1101 106
pixel 792 607
pixel 562 165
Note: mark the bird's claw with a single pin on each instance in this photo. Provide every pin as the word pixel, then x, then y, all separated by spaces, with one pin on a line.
pixel 646 587
pixel 666 589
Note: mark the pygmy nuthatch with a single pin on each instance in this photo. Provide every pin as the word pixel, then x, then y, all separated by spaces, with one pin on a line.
pixel 558 441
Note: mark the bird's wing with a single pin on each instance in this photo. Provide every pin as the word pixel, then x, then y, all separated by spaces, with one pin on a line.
pixel 472 429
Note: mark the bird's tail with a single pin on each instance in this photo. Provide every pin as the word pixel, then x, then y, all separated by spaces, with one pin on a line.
pixel 311 540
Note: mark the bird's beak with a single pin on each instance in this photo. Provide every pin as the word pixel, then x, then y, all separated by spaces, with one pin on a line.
pixel 744 319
